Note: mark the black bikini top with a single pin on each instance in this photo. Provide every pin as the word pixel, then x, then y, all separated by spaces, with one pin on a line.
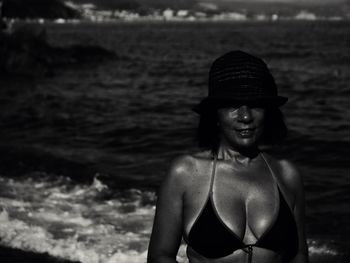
pixel 211 238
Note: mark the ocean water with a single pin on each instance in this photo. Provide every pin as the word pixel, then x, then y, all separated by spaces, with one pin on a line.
pixel 84 150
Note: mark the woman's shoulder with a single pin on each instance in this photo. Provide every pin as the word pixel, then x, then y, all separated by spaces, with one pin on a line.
pixel 185 165
pixel 181 171
pixel 286 170
pixel 187 162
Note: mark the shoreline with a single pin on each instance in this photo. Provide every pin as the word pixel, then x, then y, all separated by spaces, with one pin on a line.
pixel 15 255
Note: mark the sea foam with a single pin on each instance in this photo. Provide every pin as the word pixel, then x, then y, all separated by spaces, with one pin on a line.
pixel 72 222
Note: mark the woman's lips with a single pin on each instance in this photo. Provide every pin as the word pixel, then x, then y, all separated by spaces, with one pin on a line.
pixel 246 133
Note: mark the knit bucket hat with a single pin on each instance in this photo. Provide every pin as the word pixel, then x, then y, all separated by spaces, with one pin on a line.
pixel 238 78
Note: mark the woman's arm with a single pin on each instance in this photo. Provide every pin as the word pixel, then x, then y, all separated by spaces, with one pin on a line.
pixel 293 179
pixel 167 227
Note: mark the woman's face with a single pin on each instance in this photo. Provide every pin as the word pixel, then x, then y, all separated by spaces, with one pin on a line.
pixel 242 126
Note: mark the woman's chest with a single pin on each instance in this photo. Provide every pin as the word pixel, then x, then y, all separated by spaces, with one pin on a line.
pixel 243 200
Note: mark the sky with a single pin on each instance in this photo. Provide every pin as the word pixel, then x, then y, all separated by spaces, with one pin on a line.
pixel 291 1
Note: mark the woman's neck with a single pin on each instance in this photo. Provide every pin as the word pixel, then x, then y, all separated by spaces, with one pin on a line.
pixel 244 156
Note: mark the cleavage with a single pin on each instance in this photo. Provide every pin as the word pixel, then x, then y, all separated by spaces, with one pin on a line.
pixel 243 200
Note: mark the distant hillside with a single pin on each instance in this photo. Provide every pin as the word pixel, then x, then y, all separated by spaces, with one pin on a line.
pixel 140 4
pixel 326 7
pixel 57 9
pixel 321 7
pixel 50 9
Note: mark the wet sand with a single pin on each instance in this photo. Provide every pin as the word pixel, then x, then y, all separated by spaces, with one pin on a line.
pixel 12 255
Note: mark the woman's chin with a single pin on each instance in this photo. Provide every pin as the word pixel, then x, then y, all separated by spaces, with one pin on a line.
pixel 245 146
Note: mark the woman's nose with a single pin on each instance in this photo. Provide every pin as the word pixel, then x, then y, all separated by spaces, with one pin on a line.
pixel 245 114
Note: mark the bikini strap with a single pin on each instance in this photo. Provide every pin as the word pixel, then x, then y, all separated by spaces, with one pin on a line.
pixel 213 175
pixel 268 165
pixel 280 193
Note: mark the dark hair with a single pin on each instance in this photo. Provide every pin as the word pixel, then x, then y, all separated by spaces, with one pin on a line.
pixel 275 129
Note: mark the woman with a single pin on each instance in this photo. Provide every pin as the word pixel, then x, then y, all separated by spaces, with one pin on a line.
pixel 232 202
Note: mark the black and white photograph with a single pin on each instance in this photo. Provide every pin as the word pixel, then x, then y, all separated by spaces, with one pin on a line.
pixel 174 131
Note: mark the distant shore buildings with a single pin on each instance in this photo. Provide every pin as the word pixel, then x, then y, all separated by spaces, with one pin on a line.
pixel 91 13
